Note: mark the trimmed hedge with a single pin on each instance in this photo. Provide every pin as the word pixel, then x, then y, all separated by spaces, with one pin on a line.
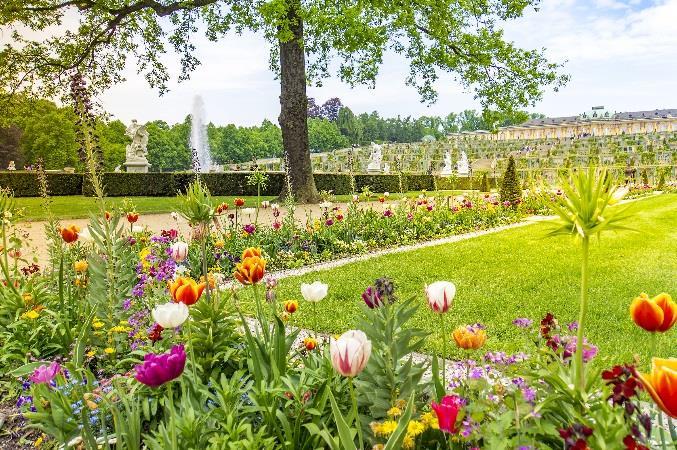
pixel 156 184
pixel 25 184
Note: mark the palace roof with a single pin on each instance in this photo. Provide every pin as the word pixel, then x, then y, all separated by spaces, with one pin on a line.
pixel 600 113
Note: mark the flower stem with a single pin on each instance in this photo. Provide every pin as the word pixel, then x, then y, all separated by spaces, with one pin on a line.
pixel 204 263
pixel 172 423
pixel 358 425
pixel 580 368
pixel 192 349
pixel 444 352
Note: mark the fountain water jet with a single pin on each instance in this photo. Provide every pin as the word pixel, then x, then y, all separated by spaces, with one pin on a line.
pixel 199 141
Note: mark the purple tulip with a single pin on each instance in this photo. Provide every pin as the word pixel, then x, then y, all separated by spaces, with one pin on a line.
pixel 250 228
pixel 159 369
pixel 371 298
pixel 522 322
pixel 45 373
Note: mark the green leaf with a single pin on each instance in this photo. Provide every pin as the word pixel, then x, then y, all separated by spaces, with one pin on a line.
pixel 345 432
pixel 395 440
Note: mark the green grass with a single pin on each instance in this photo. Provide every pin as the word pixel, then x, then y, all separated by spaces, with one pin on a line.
pixel 72 207
pixel 519 273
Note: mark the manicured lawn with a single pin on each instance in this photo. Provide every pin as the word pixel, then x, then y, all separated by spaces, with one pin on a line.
pixel 71 207
pixel 520 273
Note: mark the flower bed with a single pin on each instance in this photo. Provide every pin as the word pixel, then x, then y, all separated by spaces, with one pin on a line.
pixel 133 340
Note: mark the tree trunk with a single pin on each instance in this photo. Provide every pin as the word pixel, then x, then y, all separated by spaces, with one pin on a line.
pixel 294 113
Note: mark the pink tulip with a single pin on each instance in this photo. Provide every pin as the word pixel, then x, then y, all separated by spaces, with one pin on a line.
pixel 156 370
pixel 179 251
pixel 45 373
pixel 350 353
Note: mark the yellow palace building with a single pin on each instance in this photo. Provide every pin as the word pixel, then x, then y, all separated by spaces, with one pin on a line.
pixel 597 122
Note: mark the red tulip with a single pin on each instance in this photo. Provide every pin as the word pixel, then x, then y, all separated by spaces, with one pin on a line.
pixel 447 412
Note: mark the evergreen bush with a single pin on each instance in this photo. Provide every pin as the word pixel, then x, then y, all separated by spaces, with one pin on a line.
pixel 510 186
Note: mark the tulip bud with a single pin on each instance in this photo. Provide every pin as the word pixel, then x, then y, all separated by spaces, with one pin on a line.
pixel 179 251
pixel 350 353
pixel 170 315
pixel 314 292
pixel 440 295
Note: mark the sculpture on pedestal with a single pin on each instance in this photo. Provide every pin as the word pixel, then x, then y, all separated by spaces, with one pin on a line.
pixel 375 158
pixel 136 152
pixel 462 166
pixel 447 169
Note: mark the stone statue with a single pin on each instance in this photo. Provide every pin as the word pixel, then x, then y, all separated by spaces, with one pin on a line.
pixel 136 151
pixel 375 159
pixel 462 166
pixel 447 169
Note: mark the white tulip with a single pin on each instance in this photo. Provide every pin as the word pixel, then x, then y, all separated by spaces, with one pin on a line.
pixel 274 206
pixel 137 229
pixel 314 292
pixel 179 251
pixel 170 315
pixel 325 205
pixel 440 295
pixel 386 194
pixel 350 353
pixel 248 211
pixel 356 197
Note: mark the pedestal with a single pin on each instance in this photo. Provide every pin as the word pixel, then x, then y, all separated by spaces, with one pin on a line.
pixel 137 166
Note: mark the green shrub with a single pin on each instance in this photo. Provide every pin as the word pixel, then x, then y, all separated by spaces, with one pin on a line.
pixel 510 186
pixel 25 184
pixel 484 184
pixel 661 181
pixel 645 177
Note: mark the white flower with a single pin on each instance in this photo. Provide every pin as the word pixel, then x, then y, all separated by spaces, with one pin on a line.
pixel 325 205
pixel 386 194
pixel 350 353
pixel 179 251
pixel 440 295
pixel 174 215
pixel 248 211
pixel 170 315
pixel 137 229
pixel 421 196
pixel 356 197
pixel 274 206
pixel 314 292
pixel 265 204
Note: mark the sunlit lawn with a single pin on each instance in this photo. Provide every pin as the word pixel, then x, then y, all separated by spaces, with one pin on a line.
pixel 69 207
pixel 520 273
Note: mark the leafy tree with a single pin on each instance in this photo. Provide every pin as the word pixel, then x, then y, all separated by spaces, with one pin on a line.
pixel 113 142
pixel 325 135
pixel 510 186
pixel 331 108
pixel 10 146
pixel 484 184
pixel 349 125
pixel 470 120
pixel 463 38
pixel 314 110
pixel 168 146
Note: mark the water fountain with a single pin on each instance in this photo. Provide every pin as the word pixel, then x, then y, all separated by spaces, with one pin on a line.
pixel 199 141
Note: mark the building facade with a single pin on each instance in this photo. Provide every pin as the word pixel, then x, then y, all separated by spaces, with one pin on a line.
pixel 597 122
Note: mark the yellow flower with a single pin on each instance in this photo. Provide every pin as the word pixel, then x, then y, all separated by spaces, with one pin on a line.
pixel 142 257
pixel 408 442
pixel 384 429
pixel 32 315
pixel 91 353
pixel 38 441
pixel 109 350
pixel 80 266
pixel 97 324
pixel 27 298
pixel 414 428
pixel 219 244
pixel 394 412
pixel 429 419
pixel 119 329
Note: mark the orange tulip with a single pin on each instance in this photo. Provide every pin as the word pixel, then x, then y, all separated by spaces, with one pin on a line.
pixel 310 343
pixel 70 234
pixel 657 314
pixel 186 290
pixel 661 384
pixel 250 270
pixel 251 251
pixel 132 217
pixel 470 337
pixel 239 202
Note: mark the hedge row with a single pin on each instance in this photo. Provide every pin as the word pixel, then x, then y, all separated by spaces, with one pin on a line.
pixel 25 184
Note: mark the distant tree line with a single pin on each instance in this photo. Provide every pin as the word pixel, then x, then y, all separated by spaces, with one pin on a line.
pixel 42 130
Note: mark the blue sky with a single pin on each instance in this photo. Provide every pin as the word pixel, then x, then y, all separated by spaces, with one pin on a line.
pixel 619 53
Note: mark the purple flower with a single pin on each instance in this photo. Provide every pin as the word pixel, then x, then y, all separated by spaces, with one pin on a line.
pixel 329 222
pixel 45 373
pixel 522 322
pixel 156 370
pixel 573 326
pixel 387 213
pixel 529 394
pixel 250 228
pixel 372 298
pixel 589 350
pixel 127 304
